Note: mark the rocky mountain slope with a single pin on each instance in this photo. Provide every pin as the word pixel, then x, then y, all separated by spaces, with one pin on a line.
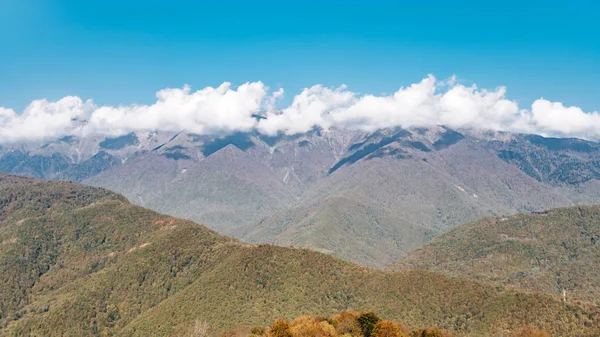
pixel 83 261
pixel 386 206
pixel 366 197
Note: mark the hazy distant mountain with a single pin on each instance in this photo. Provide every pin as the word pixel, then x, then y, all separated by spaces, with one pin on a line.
pixel 368 197
pixel 83 261
pixel 225 181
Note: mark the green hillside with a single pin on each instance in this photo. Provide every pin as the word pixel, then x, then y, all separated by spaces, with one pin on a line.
pixel 550 252
pixel 82 261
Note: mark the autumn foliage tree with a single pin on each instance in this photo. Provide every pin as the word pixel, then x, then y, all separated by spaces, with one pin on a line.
pixel 281 328
pixel 307 326
pixel 344 324
pixel 387 329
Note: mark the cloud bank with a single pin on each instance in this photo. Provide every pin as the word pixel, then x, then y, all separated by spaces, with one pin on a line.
pixel 226 109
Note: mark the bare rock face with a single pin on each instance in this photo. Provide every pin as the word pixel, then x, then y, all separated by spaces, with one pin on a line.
pixel 368 197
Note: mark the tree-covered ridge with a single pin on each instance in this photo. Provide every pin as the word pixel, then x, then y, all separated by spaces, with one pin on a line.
pixel 81 261
pixel 555 252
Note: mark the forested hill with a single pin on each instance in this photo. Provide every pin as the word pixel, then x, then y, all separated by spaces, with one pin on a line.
pixel 83 261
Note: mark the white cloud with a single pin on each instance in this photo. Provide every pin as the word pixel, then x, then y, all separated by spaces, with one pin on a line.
pixel 226 109
pixel 43 119
pixel 206 111
pixel 308 109
pixel 210 110
pixel 409 106
pixel 427 103
pixel 554 118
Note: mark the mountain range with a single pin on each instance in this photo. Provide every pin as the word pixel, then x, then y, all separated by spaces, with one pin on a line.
pixel 367 197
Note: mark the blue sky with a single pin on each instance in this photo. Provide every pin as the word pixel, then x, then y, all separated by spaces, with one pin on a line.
pixel 122 52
